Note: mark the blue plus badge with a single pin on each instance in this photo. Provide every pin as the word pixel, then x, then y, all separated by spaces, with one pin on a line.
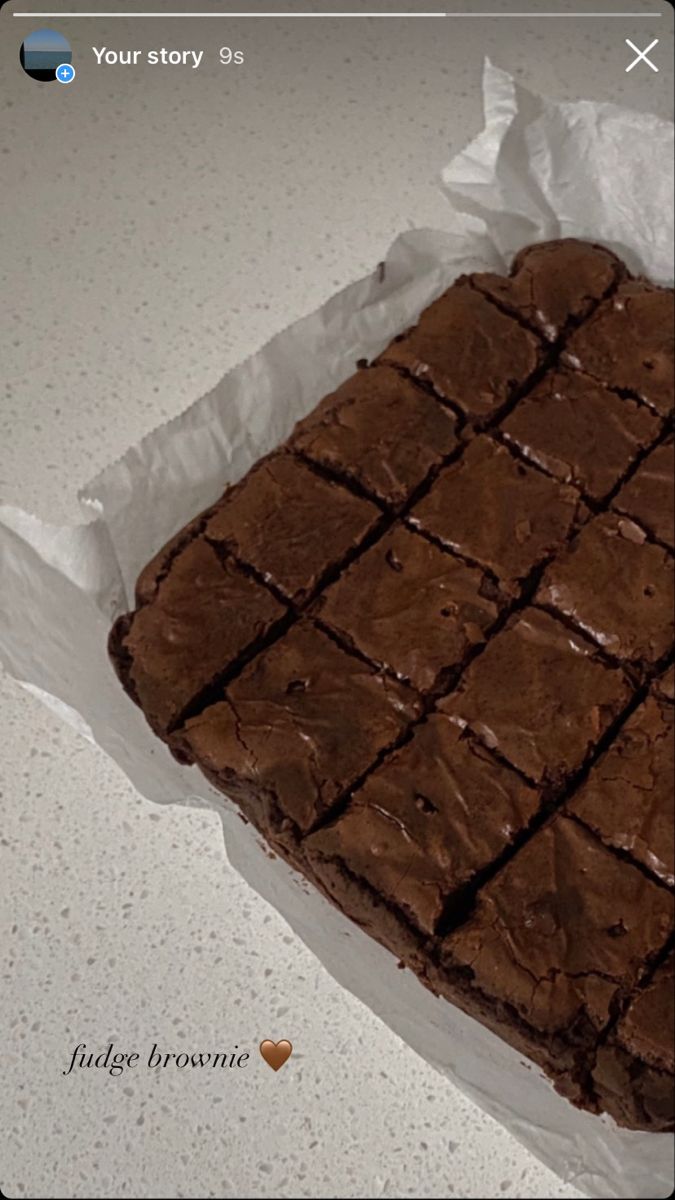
pixel 65 73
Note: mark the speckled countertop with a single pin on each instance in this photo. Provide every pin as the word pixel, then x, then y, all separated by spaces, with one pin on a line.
pixel 160 224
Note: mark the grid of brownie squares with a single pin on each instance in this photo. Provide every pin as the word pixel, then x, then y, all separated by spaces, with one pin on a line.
pixel 425 647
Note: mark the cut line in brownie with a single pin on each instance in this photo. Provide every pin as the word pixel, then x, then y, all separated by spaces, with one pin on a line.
pixel 579 432
pixel 468 351
pixel 649 495
pixel 617 588
pixel 633 1071
pixel 557 939
pixel 412 608
pixel 380 430
pixel 495 511
pixel 554 284
pixel 206 614
pixel 539 696
pixel 297 728
pixel 424 825
pixel 627 798
pixel 627 344
pixel 291 525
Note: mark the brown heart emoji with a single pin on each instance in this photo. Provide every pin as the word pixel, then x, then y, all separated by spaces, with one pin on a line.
pixel 276 1053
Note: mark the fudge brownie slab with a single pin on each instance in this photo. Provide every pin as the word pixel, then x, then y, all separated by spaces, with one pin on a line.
pixel 617 587
pixel 300 724
pixel 290 525
pixel 554 283
pixel 579 432
pixel 493 509
pixel 538 696
pixel 432 815
pixel 381 430
pixel 633 1073
pixel 411 607
pixel 649 496
pixel 556 938
pixel 627 799
pixel 468 350
pixel 206 612
pixel 628 344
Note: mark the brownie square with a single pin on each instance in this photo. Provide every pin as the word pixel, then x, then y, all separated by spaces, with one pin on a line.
pixel 617 587
pixel 554 283
pixel 435 813
pixel 493 509
pixel 538 697
pixel 633 1073
pixel 579 432
pixel 649 496
pixel 205 614
pixel 298 727
pixel 468 350
pixel 560 934
pixel 628 344
pixel 410 607
pixel 627 800
pixel 380 430
pixel 290 525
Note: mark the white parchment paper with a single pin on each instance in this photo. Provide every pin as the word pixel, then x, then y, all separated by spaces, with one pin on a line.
pixel 538 170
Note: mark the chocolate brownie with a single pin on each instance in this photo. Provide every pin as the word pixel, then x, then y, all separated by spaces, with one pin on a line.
pixel 627 799
pixel 423 646
pixel 633 1072
pixel 579 432
pixel 381 431
pixel 617 588
pixel 493 510
pixel 425 823
pixel 468 351
pixel 290 525
pixel 554 283
pixel 649 495
pixel 628 344
pixel 297 728
pixel 205 615
pixel 538 696
pixel 424 612
pixel 556 939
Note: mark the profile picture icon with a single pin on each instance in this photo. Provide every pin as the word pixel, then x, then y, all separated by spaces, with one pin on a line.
pixel 43 53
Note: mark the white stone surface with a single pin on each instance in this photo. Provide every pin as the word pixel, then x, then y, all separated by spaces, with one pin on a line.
pixel 158 225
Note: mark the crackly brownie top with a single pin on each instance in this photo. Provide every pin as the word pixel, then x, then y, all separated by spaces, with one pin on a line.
pixel 290 524
pixel 537 696
pixel 617 587
pixel 579 432
pixel 301 723
pixel 433 814
pixel 628 344
pixel 647 1028
pixel 467 350
pixel 649 496
pixel 562 930
pixel 411 607
pixel 490 507
pixel 205 613
pixel 379 429
pixel 554 282
pixel 627 799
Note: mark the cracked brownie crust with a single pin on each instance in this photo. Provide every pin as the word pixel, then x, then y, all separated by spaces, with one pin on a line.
pixel 426 647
